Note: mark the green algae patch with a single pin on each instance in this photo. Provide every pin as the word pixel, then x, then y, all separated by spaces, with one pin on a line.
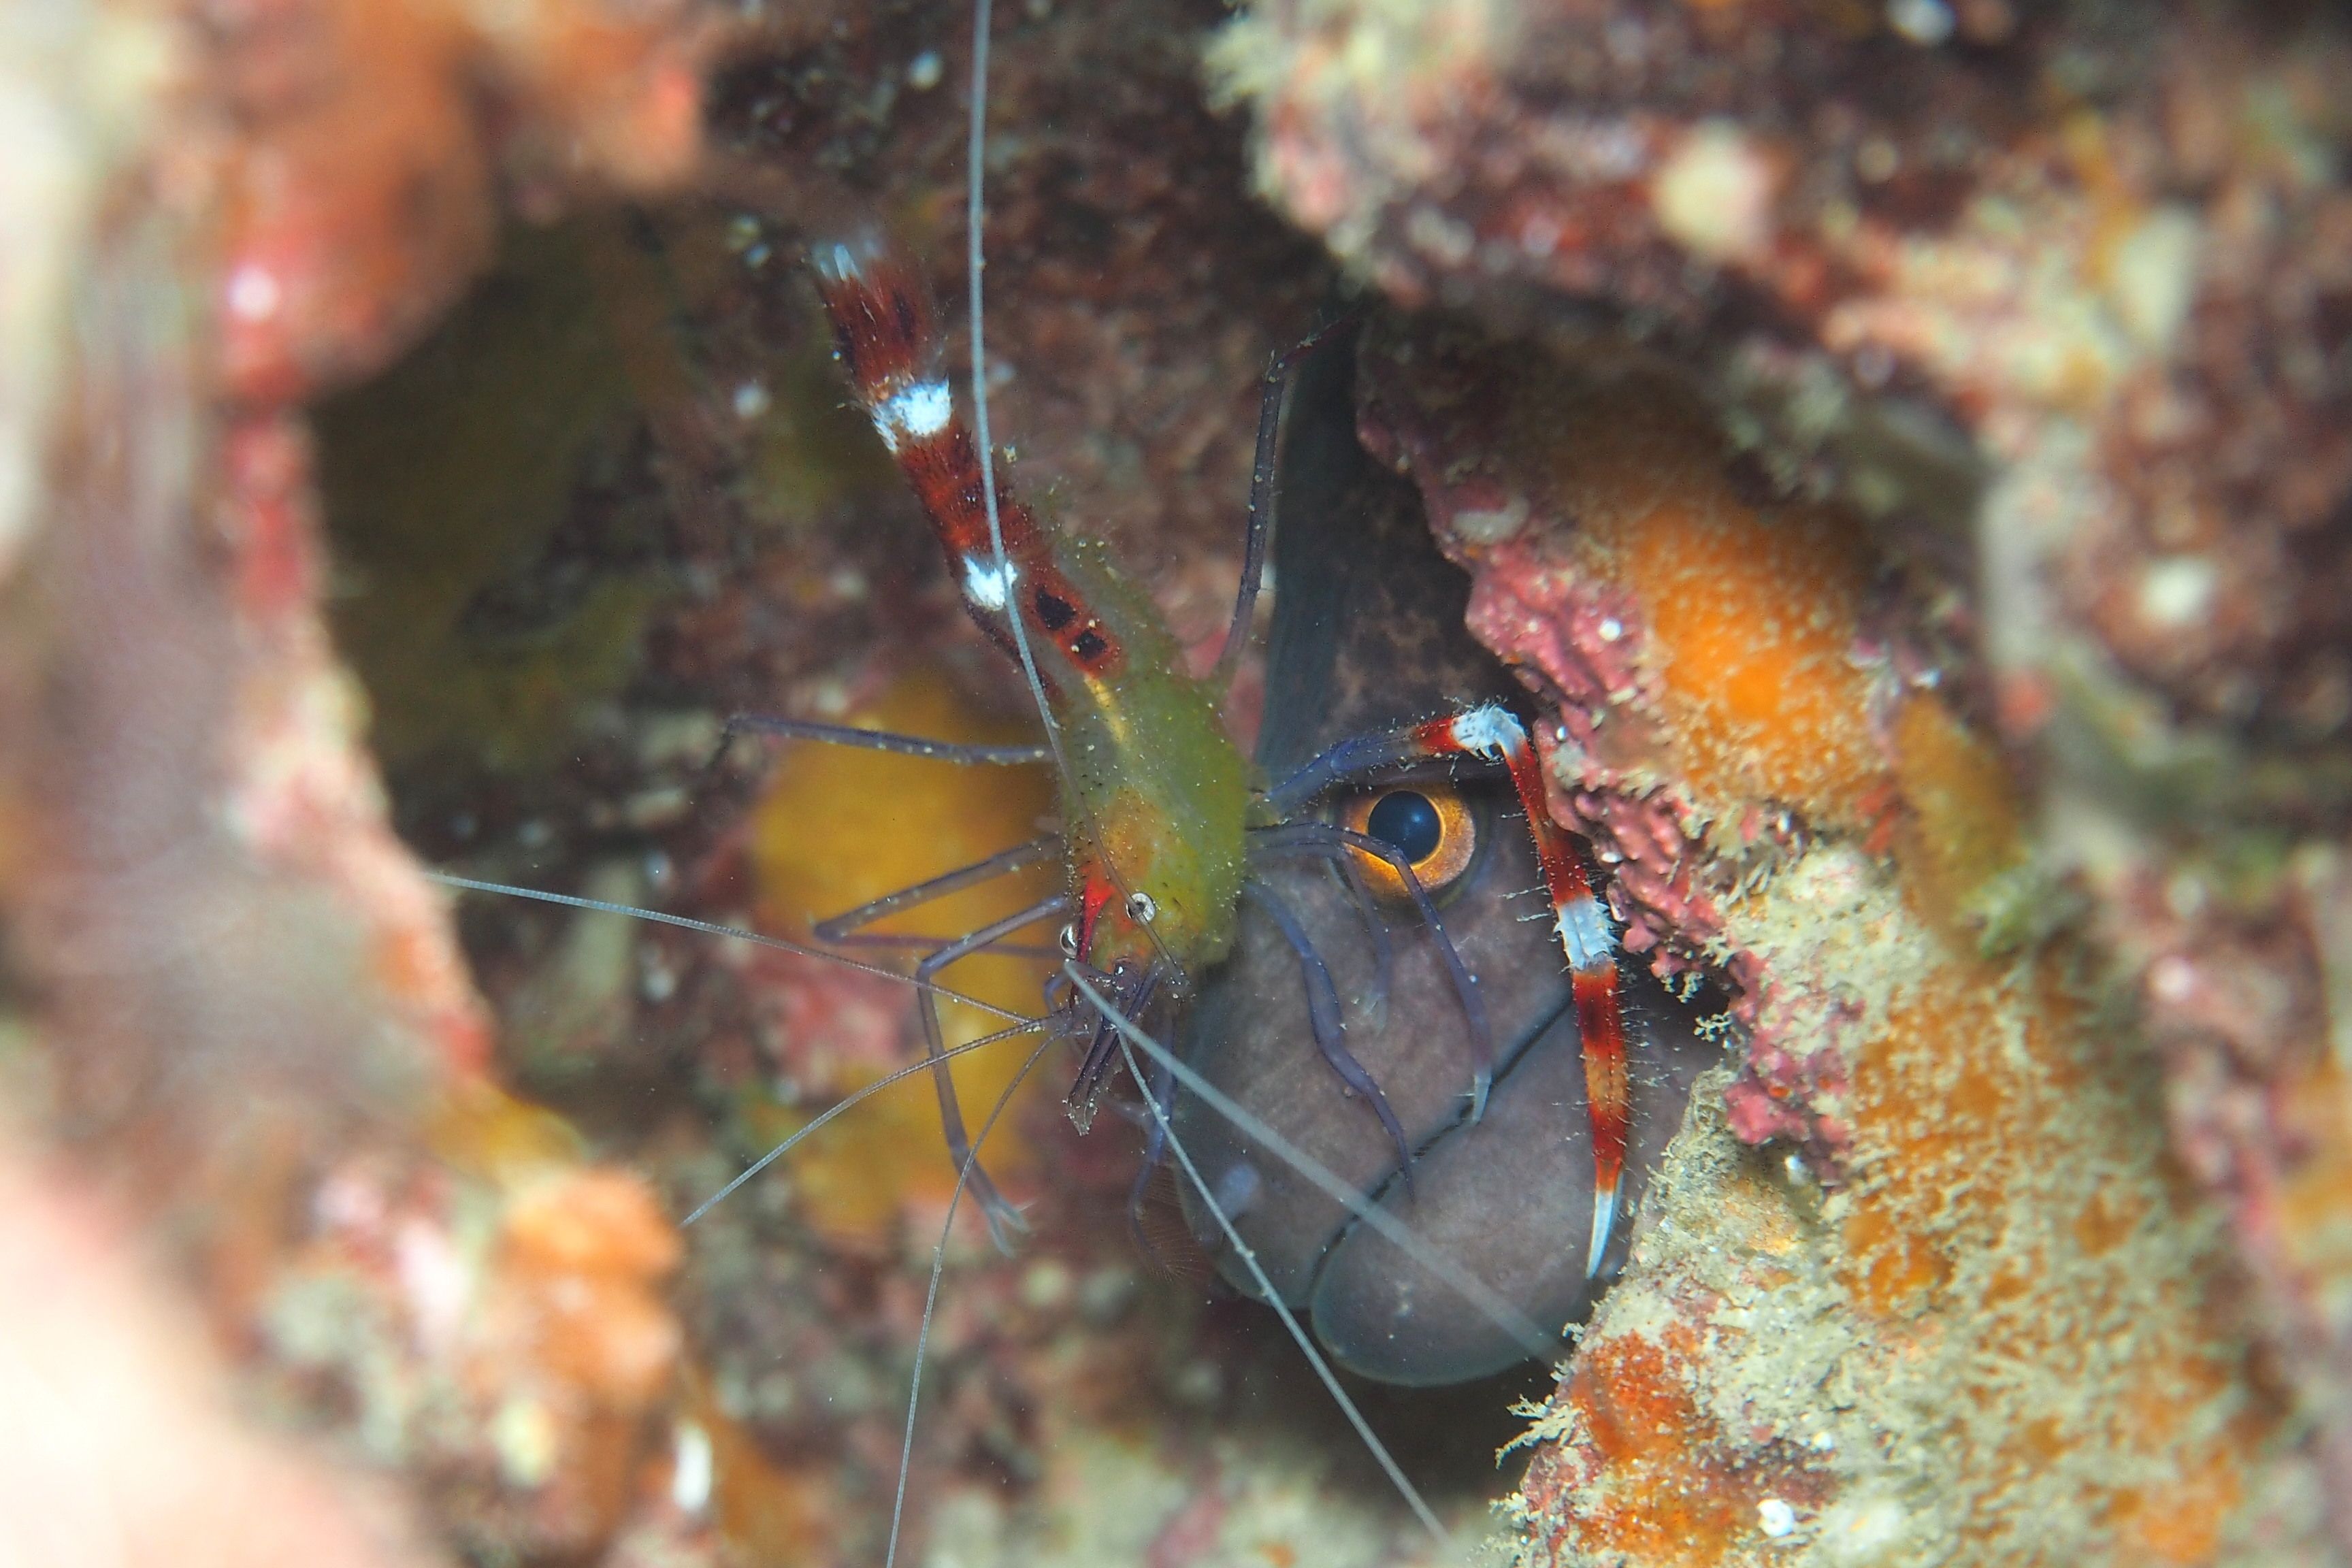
pixel 450 483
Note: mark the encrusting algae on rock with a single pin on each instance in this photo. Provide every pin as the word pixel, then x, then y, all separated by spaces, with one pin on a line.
pixel 1978 1319
pixel 495 1317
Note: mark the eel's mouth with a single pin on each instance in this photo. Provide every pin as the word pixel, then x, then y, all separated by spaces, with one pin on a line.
pixel 1240 1184
pixel 1510 1199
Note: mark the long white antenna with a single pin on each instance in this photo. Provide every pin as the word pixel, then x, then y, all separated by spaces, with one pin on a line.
pixel 708 928
pixel 975 262
pixel 932 1301
pixel 1379 1450
pixel 1447 1271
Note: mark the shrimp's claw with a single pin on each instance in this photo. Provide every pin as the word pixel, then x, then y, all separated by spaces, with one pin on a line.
pixel 1604 1217
pixel 1006 1221
pixel 1600 1027
pixel 886 333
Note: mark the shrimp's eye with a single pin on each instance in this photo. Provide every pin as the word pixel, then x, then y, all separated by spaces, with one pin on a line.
pixel 1429 823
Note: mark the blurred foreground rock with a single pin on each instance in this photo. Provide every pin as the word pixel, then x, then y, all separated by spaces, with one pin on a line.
pixel 258 1053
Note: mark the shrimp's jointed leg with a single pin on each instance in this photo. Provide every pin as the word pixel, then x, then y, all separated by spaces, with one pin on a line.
pixel 877 740
pixel 1323 839
pixel 1323 1015
pixel 838 928
pixel 1271 393
pixel 1004 1221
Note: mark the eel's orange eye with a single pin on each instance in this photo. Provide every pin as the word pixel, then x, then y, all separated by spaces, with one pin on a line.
pixel 1429 823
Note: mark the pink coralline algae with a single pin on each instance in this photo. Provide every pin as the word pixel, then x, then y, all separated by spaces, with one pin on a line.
pixel 1579 638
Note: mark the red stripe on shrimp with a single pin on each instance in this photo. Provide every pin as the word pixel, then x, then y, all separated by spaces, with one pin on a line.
pixel 890 339
pixel 1496 734
pixel 1094 895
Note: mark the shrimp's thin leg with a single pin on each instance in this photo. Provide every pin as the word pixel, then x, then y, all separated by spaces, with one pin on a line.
pixel 910 941
pixel 1324 838
pixel 968 1173
pixel 877 740
pixel 849 1102
pixel 710 928
pixel 1128 1033
pixel 837 927
pixel 1005 1220
pixel 1272 393
pixel 1376 929
pixel 1323 1016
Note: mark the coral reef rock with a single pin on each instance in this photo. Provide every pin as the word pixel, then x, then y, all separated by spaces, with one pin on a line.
pixel 1958 1305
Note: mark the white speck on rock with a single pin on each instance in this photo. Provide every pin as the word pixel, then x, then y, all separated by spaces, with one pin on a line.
pixel 1925 23
pixel 2177 591
pixel 1713 196
pixel 691 1469
pixel 254 294
pixel 2152 276
pixel 1491 525
pixel 1860 1530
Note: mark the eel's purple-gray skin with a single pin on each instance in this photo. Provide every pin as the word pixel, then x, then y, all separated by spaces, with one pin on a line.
pixel 1368 634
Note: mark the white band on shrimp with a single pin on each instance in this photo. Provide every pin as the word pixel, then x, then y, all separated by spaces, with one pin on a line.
pixel 841 263
pixel 987 584
pixel 917 414
pixel 1584 934
pixel 1491 731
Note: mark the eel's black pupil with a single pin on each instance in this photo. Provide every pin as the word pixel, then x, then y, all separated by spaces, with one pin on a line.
pixel 1406 822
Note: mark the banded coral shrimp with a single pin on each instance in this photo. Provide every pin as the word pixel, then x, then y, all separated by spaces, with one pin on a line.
pixel 663 972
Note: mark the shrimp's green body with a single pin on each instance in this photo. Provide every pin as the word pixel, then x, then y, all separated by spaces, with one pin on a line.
pixel 1156 796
